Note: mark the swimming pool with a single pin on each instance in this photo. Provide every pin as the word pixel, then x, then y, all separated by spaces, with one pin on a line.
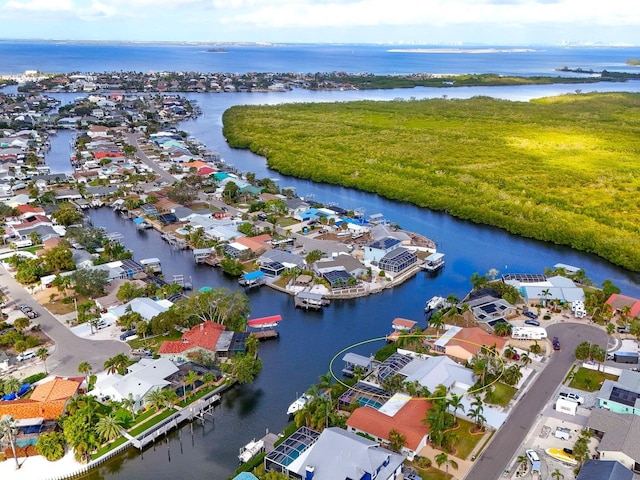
pixel 181 231
pixel 25 442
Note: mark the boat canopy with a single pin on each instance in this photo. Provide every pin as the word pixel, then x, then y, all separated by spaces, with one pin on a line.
pixel 259 322
pixel 253 275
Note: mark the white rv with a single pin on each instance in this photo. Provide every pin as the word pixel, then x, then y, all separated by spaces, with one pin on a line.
pixel 528 333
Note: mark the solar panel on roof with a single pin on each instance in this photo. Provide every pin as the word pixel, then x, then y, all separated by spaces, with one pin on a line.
pixel 524 277
pixel 624 397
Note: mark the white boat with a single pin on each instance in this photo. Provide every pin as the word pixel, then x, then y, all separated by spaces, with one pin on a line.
pixel 250 450
pixel 299 404
pixel 434 303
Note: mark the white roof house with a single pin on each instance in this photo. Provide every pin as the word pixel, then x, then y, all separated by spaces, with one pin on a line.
pixel 142 377
pixel 440 370
pixel 146 307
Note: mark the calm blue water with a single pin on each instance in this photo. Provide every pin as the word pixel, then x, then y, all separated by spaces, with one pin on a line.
pixel 18 56
pixel 309 340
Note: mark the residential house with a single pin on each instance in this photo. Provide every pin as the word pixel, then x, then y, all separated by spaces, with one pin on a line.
pixel 488 307
pixel 346 263
pixel 47 401
pixel 400 413
pixel 141 378
pixel 146 307
pixel 622 395
pixel 110 300
pixel 604 470
pixel 201 339
pixel 463 343
pixel 620 303
pixel 333 454
pixel 619 437
pixel 441 370
pixel 537 288
pixel 376 250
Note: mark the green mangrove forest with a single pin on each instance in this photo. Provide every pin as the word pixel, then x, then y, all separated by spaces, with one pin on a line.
pixel 562 169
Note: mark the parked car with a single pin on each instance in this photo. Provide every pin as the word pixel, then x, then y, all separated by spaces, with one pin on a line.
pixel 32 314
pixel 530 314
pixel 25 356
pixel 530 321
pixel 556 343
pixel 574 397
pixel 24 308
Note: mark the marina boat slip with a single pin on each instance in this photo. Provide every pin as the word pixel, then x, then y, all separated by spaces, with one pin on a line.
pixel 151 264
pixel 264 328
pixel 310 300
pixel 299 403
pixel 252 279
pixel 435 303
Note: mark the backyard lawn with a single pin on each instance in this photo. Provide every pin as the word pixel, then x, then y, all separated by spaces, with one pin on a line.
pixel 502 394
pixel 467 441
pixel 589 380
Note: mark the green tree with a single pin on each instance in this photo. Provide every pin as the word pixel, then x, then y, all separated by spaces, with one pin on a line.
pixel 21 323
pixel 155 399
pixel 557 475
pixel 51 445
pixel 117 364
pixel 396 441
pixel 8 432
pixel 245 368
pixel 108 427
pixel 67 215
pixel 251 345
pixel 128 291
pixel 232 267
pixel 90 282
pixel 608 288
pixel 42 353
pixel 170 397
pixel 313 256
pixel 503 329
pixel 190 380
pixel 58 259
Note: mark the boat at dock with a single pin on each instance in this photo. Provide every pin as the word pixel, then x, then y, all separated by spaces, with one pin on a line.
pixel 264 328
pixel 434 303
pixel 250 450
pixel 252 279
pixel 299 403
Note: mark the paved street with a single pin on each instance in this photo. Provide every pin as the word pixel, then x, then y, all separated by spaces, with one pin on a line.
pixel 491 464
pixel 70 350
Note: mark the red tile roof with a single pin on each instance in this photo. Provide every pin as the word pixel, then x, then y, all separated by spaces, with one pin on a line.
pixel 617 302
pixel 204 335
pixel 407 421
pixel 47 401
pixel 57 389
pixel 473 338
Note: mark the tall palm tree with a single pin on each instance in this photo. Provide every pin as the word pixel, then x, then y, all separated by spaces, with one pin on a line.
pixel 190 380
pixel 108 427
pixel 129 404
pixel 12 385
pixel 170 397
pixel 251 345
pixel 155 399
pixel 208 378
pixel 42 353
pixel 396 440
pixel 85 368
pixel 455 402
pixel 525 359
pixel 7 431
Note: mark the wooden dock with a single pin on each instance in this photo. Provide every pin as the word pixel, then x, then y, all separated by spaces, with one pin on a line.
pixel 265 334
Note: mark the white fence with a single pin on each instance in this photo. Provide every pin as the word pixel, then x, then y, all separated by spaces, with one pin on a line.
pixel 602 368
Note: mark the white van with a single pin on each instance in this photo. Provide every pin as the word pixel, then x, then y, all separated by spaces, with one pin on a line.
pixel 25 356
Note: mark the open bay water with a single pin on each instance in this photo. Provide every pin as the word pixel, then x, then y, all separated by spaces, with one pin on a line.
pixel 309 340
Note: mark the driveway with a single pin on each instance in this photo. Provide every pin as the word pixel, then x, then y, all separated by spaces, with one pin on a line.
pixel 508 440
pixel 70 350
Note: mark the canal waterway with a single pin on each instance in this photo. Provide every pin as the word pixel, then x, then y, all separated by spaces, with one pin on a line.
pixel 309 340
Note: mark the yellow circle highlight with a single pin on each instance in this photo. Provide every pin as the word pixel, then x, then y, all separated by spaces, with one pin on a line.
pixel 371 340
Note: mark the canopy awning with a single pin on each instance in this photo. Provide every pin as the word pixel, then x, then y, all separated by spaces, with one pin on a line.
pixel 265 321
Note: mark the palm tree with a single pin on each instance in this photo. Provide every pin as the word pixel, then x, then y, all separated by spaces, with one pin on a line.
pixel 557 475
pixel 436 321
pixel 170 397
pixel 118 363
pixel 525 359
pixel 12 385
pixel 396 441
pixel 42 353
pixel 251 345
pixel 208 378
pixel 108 427
pixel 7 431
pixel 190 380
pixel 455 402
pixel 129 404
pixel 85 368
pixel 546 293
pixel 522 461
pixel 155 399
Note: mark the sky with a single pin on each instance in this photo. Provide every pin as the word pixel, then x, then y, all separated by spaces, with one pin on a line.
pixel 427 22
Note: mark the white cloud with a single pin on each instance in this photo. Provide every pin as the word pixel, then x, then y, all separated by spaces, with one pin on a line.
pixel 39 5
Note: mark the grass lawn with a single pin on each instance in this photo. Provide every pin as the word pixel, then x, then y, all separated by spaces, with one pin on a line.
pixel 589 380
pixel 432 473
pixel 502 394
pixel 467 441
pixel 285 222
pixel 154 342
